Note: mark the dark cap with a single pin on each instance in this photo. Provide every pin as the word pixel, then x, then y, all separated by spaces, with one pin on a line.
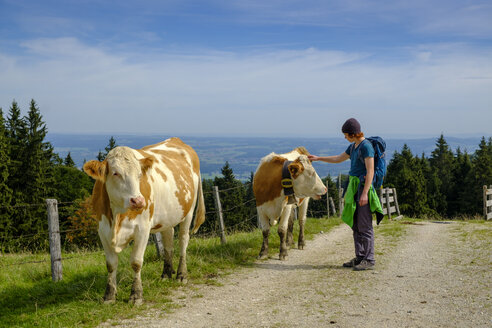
pixel 351 126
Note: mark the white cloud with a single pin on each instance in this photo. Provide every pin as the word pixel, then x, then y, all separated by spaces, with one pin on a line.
pixel 82 88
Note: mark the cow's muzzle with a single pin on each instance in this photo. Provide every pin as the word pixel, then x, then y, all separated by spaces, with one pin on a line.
pixel 318 196
pixel 137 202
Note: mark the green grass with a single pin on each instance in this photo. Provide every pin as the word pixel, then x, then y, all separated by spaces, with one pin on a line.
pixel 28 297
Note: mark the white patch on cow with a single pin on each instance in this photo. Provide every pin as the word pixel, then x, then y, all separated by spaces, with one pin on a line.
pixel 123 178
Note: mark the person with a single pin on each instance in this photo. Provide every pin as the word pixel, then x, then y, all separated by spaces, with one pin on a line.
pixel 361 199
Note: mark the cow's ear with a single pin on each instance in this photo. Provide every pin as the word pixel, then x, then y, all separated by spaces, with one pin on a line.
pixel 146 163
pixel 97 170
pixel 295 168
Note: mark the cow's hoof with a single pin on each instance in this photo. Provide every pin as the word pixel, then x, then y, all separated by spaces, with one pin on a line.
pixel 166 276
pixel 282 257
pixel 262 257
pixel 301 247
pixel 182 279
pixel 109 301
pixel 136 302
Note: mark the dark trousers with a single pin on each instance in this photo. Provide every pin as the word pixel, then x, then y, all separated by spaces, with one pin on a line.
pixel 363 233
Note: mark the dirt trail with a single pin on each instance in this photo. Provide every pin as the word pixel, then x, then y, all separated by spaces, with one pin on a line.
pixel 424 280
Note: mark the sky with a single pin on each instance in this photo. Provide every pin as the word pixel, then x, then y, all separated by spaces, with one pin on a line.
pixel 250 67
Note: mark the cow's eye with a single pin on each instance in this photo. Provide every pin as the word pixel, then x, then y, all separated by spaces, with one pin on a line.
pixel 116 174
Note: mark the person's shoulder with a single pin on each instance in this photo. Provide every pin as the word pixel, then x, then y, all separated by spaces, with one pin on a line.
pixel 367 146
pixel 349 149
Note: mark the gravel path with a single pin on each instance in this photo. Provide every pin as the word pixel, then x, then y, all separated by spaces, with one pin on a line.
pixel 430 277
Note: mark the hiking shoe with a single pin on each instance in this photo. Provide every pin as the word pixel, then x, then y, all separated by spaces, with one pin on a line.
pixel 364 265
pixel 352 263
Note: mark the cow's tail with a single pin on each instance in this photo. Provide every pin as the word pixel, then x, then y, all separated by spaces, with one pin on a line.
pixel 200 211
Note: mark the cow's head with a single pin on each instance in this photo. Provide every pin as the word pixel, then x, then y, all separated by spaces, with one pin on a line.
pixel 121 172
pixel 305 179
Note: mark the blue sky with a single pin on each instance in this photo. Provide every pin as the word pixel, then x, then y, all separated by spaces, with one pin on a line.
pixel 250 67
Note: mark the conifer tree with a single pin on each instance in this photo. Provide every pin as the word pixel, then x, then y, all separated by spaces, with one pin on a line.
pixel 232 198
pixel 442 167
pixel 405 173
pixel 249 199
pixel 481 174
pixel 16 132
pixel 36 179
pixel 318 208
pixel 111 144
pixel 5 191
pixel 69 161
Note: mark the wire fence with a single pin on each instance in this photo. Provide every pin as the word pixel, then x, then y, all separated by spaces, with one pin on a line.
pixel 248 224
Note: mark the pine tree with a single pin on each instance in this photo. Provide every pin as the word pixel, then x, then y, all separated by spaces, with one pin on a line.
pixel 250 203
pixel 37 179
pixel 69 161
pixel 17 139
pixel 405 173
pixel 318 208
pixel 480 175
pixel 458 198
pixel 442 166
pixel 210 224
pixel 5 191
pixel 232 198
pixel 111 144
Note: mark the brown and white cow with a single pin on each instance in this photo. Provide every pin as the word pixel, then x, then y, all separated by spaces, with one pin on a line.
pixel 271 202
pixel 138 192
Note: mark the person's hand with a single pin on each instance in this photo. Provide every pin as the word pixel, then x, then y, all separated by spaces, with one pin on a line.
pixel 313 158
pixel 364 199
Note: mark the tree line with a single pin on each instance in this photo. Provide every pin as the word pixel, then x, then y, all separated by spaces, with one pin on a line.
pixel 446 184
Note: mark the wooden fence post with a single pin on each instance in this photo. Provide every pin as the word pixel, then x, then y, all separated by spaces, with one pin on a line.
pixel 327 200
pixel 340 201
pixel 54 236
pixel 396 202
pixel 157 239
pixel 487 202
pixel 333 208
pixel 218 208
pixel 388 205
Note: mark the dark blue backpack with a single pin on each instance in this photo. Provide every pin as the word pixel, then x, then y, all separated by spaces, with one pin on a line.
pixel 379 146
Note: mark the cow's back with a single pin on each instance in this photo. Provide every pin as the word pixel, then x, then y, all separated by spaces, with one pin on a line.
pixel 174 178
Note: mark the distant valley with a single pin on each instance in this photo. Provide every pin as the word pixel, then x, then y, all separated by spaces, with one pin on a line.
pixel 242 153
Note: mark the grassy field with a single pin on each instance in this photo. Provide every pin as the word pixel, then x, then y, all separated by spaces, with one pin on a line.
pixel 28 297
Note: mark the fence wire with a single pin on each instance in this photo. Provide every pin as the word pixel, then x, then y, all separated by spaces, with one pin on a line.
pixel 245 225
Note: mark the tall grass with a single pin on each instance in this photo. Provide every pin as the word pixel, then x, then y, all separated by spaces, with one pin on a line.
pixel 28 297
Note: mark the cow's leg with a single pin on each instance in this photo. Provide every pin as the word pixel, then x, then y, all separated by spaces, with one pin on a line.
pixel 136 260
pixel 302 219
pixel 282 231
pixel 111 265
pixel 265 227
pixel 184 238
pixel 168 241
pixel 290 229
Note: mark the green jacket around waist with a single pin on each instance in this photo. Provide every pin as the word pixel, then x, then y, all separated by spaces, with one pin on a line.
pixel 350 202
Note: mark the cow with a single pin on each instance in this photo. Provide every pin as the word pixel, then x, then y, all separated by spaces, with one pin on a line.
pixel 271 202
pixel 143 191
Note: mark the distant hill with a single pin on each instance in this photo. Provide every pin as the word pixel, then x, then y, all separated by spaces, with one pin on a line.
pixel 242 153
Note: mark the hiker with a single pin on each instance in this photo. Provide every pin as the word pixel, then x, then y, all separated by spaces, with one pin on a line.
pixel 361 199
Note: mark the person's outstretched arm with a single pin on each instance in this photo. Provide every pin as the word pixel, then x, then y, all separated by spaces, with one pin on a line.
pixel 330 159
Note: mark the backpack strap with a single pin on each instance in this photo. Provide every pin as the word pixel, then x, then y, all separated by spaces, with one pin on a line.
pixel 359 156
